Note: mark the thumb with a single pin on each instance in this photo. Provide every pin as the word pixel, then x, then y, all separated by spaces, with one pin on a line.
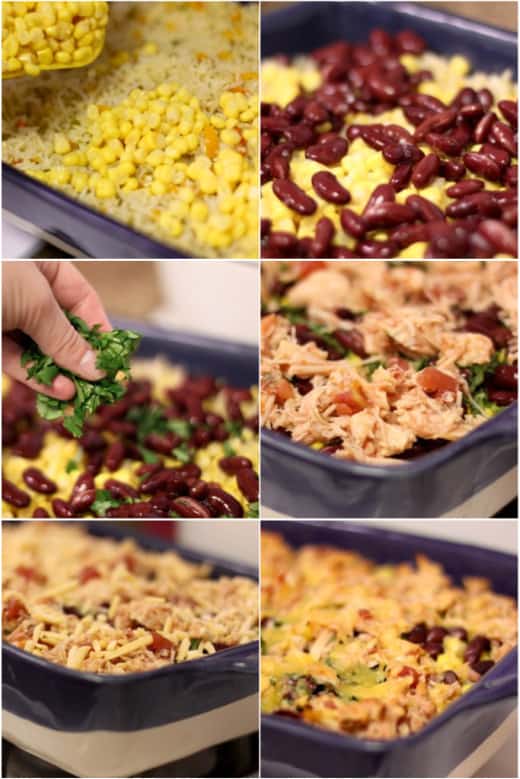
pixel 56 337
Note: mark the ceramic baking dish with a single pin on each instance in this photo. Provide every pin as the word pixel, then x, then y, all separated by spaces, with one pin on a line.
pixel 475 476
pixel 106 725
pixel 450 740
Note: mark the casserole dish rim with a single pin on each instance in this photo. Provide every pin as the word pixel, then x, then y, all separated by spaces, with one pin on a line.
pixel 469 699
pixel 407 9
pixel 159 545
pixel 398 470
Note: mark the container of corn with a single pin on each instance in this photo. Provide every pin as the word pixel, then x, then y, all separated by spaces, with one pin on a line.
pixel 51 36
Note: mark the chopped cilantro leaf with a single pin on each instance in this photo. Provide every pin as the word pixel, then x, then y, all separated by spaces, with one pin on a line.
pixel 114 349
pixel 194 643
pixel 421 363
pixel 183 453
pixel 103 502
pixel 181 427
pixel 148 456
pixel 296 316
pixel 148 419
pixel 234 427
pixel 228 449
pixel 371 367
pixel 253 510
pixel 72 465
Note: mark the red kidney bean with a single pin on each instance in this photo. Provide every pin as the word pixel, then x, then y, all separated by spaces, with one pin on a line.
pixel 486 98
pixel 190 507
pixel 435 122
pixel 352 340
pixel 13 495
pixel 460 633
pixel 224 503
pixel 29 445
pixel 509 110
pixel 301 135
pixel 377 250
pixel 478 202
pixel 471 113
pixel 475 648
pixel 327 186
pixel 190 470
pixel 265 227
pixel 511 176
pixel 450 677
pixel 415 114
pixel 247 481
pixel 40 513
pixel 295 108
pixel 434 648
pixel 37 481
pixel 315 113
pixel 266 144
pixel 410 42
pixel 294 197
pixel 417 635
pixel 448 240
pixel 120 490
pixel 157 481
pixel 482 666
pixel 275 125
pixel 387 215
pixel 341 253
pixel 425 170
pixel 396 134
pixel 424 209
pixel 463 188
pixel 352 223
pixel 147 469
pixel 62 509
pixel 114 455
pixel 436 633
pixel 506 377
pixel 510 216
pixel 383 193
pixel 482 165
pixel 231 465
pixel 198 489
pixel 498 155
pixel 82 501
pixel 447 144
pixel 329 152
pixel 502 397
pixel 324 233
pixel 452 170
pixel 483 127
pixel 406 234
pixel 283 242
pixel 373 136
pixel 280 168
pixel 401 152
pixel 401 176
pixel 504 137
pixel 502 238
pixel 91 441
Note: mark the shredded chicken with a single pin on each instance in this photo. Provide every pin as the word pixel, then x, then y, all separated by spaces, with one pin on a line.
pixel 371 359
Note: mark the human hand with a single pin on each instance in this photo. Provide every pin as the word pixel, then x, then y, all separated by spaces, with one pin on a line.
pixel 34 295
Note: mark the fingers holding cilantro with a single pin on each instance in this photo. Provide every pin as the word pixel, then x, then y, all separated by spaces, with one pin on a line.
pixel 72 357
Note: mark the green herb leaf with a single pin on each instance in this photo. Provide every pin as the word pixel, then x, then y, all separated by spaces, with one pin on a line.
pixel 371 367
pixel 421 363
pixel 296 316
pixel 183 453
pixel 103 502
pixel 234 427
pixel 148 419
pixel 72 465
pixel 253 510
pixel 114 350
pixel 181 427
pixel 228 449
pixel 149 457
pixel 194 643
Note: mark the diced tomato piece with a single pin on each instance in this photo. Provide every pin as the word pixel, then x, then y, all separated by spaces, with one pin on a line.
pixel 306 268
pixel 406 670
pixel 31 574
pixel 399 362
pixel 13 609
pixel 365 613
pixel 160 643
pixel 433 381
pixel 347 403
pixel 87 573
pixel 283 391
pixel 130 562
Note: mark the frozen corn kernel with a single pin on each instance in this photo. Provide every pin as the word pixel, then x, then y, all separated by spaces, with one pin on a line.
pixel 44 36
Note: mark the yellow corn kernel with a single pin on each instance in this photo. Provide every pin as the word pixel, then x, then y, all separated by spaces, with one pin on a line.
pixel 83 54
pixel 63 57
pixel 61 144
pixel 231 137
pixel 158 188
pixel 79 181
pixel 186 195
pixel 45 56
pixel 164 173
pixel 131 185
pixel 59 176
pixel 199 211
pixel 105 188
pixel 149 48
